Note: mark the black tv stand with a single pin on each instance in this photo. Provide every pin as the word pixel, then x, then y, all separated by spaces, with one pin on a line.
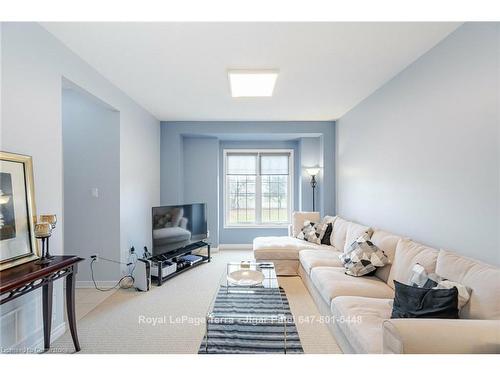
pixel 188 249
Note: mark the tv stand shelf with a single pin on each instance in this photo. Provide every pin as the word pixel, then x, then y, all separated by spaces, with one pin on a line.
pixel 160 259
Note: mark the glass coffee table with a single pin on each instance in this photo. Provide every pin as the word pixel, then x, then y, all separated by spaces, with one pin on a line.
pixel 247 319
pixel 267 269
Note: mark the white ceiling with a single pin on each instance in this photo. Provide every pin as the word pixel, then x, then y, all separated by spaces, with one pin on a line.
pixel 178 71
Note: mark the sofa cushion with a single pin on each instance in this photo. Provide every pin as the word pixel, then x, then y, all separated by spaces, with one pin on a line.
pixel 319 258
pixel 386 242
pixel 339 233
pixel 332 282
pixel 360 320
pixel 482 278
pixel 281 247
pixel 409 253
pixel 299 218
pixel 354 231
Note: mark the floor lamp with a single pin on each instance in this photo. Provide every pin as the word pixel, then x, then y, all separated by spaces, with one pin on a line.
pixel 313 172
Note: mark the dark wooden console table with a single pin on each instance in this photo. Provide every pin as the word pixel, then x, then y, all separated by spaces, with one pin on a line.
pixel 22 279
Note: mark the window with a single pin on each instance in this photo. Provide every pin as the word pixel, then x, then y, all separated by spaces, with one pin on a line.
pixel 258 187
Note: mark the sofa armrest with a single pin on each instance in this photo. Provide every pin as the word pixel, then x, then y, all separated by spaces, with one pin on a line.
pixel 183 223
pixel 298 218
pixel 444 336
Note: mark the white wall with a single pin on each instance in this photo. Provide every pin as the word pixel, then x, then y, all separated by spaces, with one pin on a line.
pixel 33 66
pixel 420 156
pixel 91 160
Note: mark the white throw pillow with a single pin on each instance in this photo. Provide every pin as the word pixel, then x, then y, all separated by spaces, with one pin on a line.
pixel 422 279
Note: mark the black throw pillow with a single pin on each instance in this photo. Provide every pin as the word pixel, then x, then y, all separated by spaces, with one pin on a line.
pixel 415 302
pixel 325 240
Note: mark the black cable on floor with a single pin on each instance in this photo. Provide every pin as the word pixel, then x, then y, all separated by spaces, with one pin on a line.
pixel 118 284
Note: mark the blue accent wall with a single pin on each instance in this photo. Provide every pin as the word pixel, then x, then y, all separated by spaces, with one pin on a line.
pixel 246 235
pixel 199 184
pixel 191 161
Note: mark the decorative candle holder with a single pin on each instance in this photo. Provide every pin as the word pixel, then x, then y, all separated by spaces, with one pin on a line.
pixel 43 232
pixel 52 220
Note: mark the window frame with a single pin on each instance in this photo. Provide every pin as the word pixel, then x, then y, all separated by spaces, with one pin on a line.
pixel 258 196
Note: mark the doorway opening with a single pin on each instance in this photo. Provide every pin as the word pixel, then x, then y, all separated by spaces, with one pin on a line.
pixel 91 169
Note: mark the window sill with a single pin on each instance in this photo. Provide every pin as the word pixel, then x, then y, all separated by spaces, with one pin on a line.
pixel 277 226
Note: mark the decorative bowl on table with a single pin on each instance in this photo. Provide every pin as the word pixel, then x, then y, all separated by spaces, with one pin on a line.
pixel 245 277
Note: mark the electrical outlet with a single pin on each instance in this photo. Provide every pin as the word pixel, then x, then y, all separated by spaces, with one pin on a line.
pixel 132 250
pixel 95 257
pixel 94 192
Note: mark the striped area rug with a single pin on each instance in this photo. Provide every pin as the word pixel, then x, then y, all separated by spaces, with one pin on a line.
pixel 239 335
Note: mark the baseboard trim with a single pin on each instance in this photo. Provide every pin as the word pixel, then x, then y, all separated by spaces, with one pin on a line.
pixel 90 284
pixel 240 246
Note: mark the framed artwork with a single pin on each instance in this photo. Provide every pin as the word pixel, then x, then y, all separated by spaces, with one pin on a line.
pixel 17 210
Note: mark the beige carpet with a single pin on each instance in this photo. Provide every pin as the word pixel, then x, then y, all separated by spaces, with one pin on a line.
pixel 125 321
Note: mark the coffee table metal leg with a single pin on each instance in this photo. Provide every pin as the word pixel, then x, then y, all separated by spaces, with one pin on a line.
pixel 206 333
pixel 285 334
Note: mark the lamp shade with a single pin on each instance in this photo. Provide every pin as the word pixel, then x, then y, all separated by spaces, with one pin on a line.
pixel 312 171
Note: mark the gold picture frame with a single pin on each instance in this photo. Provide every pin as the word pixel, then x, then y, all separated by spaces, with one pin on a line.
pixel 18 244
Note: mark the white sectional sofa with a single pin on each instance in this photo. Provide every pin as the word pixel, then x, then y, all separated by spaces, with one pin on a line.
pixel 358 309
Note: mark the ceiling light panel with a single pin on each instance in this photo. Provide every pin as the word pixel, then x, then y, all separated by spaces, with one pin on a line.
pixel 252 83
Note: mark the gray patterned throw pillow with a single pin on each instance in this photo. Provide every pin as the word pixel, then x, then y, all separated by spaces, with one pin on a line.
pixel 363 257
pixel 310 233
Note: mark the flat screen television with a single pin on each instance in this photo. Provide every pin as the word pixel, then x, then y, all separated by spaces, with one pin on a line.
pixel 178 226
